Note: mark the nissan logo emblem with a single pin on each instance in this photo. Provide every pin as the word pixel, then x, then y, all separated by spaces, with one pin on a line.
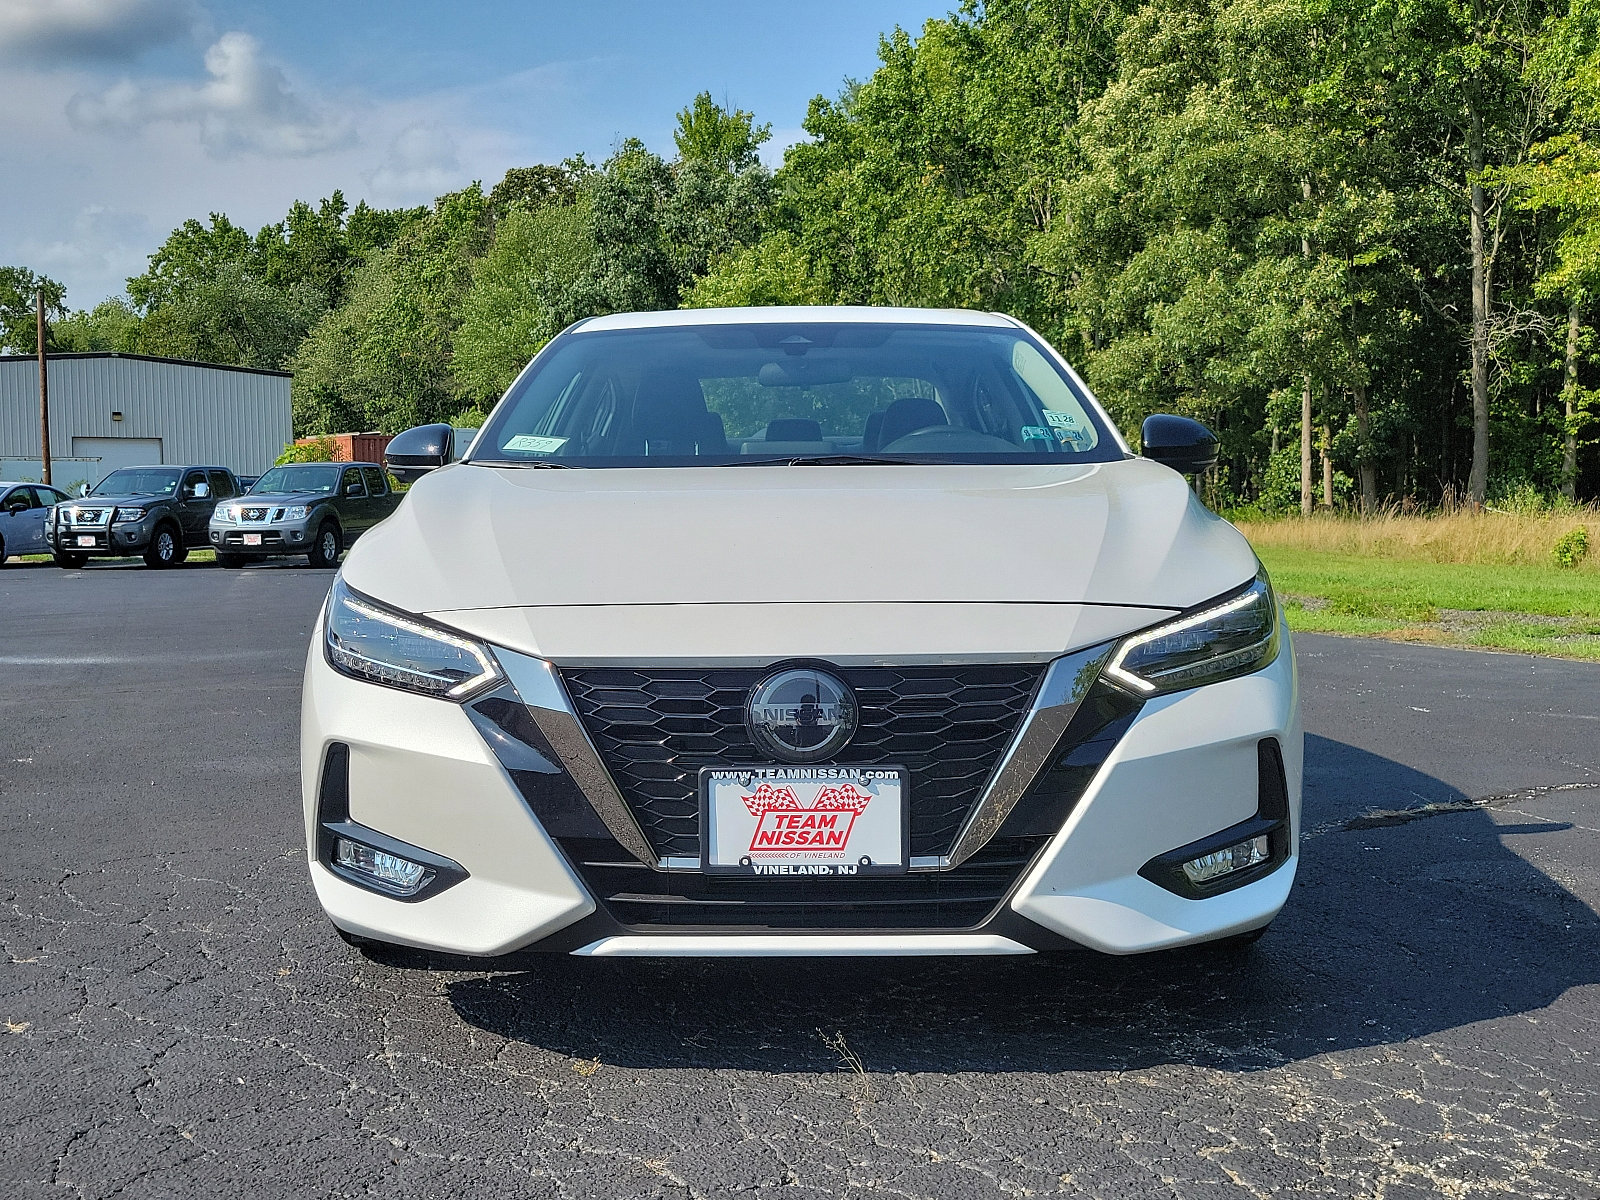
pixel 801 715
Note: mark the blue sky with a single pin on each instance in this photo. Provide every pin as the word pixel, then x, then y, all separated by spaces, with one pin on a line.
pixel 119 118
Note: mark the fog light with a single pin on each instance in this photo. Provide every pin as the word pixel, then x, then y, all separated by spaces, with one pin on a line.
pixel 390 870
pixel 1224 862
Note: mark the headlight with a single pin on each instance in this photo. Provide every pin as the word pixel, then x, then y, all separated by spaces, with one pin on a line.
pixel 223 513
pixel 296 512
pixel 367 641
pixel 1234 637
pixel 128 514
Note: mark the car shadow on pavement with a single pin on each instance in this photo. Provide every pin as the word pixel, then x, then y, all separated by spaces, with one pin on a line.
pixel 1411 915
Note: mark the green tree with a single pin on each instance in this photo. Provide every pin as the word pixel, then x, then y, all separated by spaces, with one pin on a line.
pixel 721 138
pixel 774 271
pixel 19 326
pixel 523 293
pixel 111 325
pixel 192 254
pixel 233 317
pixel 382 359
pixel 540 186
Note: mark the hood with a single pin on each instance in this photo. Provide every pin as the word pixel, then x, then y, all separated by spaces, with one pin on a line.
pixel 124 501
pixel 479 537
pixel 274 499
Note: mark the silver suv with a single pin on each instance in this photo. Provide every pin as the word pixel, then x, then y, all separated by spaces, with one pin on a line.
pixel 315 509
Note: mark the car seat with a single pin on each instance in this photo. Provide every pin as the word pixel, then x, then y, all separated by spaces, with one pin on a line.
pixel 907 415
pixel 671 418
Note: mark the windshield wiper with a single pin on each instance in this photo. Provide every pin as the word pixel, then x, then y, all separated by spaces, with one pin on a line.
pixel 826 460
pixel 545 464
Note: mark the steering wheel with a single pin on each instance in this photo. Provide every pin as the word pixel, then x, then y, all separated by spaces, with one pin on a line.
pixel 948 439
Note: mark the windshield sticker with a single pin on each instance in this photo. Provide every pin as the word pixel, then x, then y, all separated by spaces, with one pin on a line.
pixel 1036 433
pixel 1061 420
pixel 535 445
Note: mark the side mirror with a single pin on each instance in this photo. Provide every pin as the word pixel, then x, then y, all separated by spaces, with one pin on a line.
pixel 1186 446
pixel 414 453
pixel 83 490
pixel 201 491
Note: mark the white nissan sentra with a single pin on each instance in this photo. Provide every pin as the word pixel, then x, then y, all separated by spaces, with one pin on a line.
pixel 813 631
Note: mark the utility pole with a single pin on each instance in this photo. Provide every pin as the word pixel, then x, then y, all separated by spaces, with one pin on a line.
pixel 44 394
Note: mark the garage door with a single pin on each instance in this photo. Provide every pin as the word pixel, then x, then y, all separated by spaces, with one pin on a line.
pixel 115 453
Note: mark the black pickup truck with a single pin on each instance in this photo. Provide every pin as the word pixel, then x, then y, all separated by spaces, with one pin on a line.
pixel 159 512
pixel 315 509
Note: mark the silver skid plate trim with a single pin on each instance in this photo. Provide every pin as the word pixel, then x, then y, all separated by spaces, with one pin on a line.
pixel 802 946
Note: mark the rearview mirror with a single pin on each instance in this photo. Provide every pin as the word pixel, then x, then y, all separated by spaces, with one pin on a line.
pixel 412 454
pixel 1186 446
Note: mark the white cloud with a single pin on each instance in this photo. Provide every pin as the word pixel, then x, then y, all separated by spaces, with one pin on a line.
pixel 245 106
pixel 46 32
pixel 422 160
pixel 100 242
pixel 86 197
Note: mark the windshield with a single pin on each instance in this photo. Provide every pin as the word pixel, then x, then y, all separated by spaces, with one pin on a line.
pixel 305 477
pixel 139 481
pixel 784 392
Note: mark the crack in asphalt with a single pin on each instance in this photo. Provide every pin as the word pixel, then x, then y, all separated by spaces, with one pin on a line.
pixel 1386 817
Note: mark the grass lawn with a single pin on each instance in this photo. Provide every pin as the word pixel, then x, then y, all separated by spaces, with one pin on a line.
pixel 1531 608
pixel 195 556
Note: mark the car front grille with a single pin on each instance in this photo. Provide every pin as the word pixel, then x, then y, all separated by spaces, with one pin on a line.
pixel 253 514
pixel 645 900
pixel 655 729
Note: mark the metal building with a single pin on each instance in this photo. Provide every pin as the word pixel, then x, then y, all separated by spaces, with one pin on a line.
pixel 120 410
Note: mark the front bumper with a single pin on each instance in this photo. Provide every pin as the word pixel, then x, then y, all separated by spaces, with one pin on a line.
pixel 108 540
pixel 286 537
pixel 440 777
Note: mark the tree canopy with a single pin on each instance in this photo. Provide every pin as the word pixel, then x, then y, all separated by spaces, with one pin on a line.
pixel 1362 240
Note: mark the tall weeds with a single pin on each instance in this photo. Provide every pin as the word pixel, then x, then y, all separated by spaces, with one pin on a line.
pixel 1487 538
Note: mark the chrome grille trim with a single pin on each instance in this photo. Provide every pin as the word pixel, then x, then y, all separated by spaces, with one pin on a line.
pixel 539 688
pixel 1065 686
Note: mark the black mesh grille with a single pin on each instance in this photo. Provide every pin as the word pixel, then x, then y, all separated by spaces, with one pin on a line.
pixel 646 900
pixel 657 728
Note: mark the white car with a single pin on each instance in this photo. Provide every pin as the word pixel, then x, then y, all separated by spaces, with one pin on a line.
pixel 805 631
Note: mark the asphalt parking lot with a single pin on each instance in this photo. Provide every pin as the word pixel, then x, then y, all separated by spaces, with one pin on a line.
pixel 179 1020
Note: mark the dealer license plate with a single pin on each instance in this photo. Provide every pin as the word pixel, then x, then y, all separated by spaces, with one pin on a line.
pixel 252 539
pixel 821 820
pixel 86 539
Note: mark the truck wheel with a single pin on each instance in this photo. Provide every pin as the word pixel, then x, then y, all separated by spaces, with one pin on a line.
pixel 69 560
pixel 229 562
pixel 325 551
pixel 2 552
pixel 165 547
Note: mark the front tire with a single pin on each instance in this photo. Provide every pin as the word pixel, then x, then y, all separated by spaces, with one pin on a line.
pixel 325 551
pixel 2 552
pixel 69 561
pixel 165 549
